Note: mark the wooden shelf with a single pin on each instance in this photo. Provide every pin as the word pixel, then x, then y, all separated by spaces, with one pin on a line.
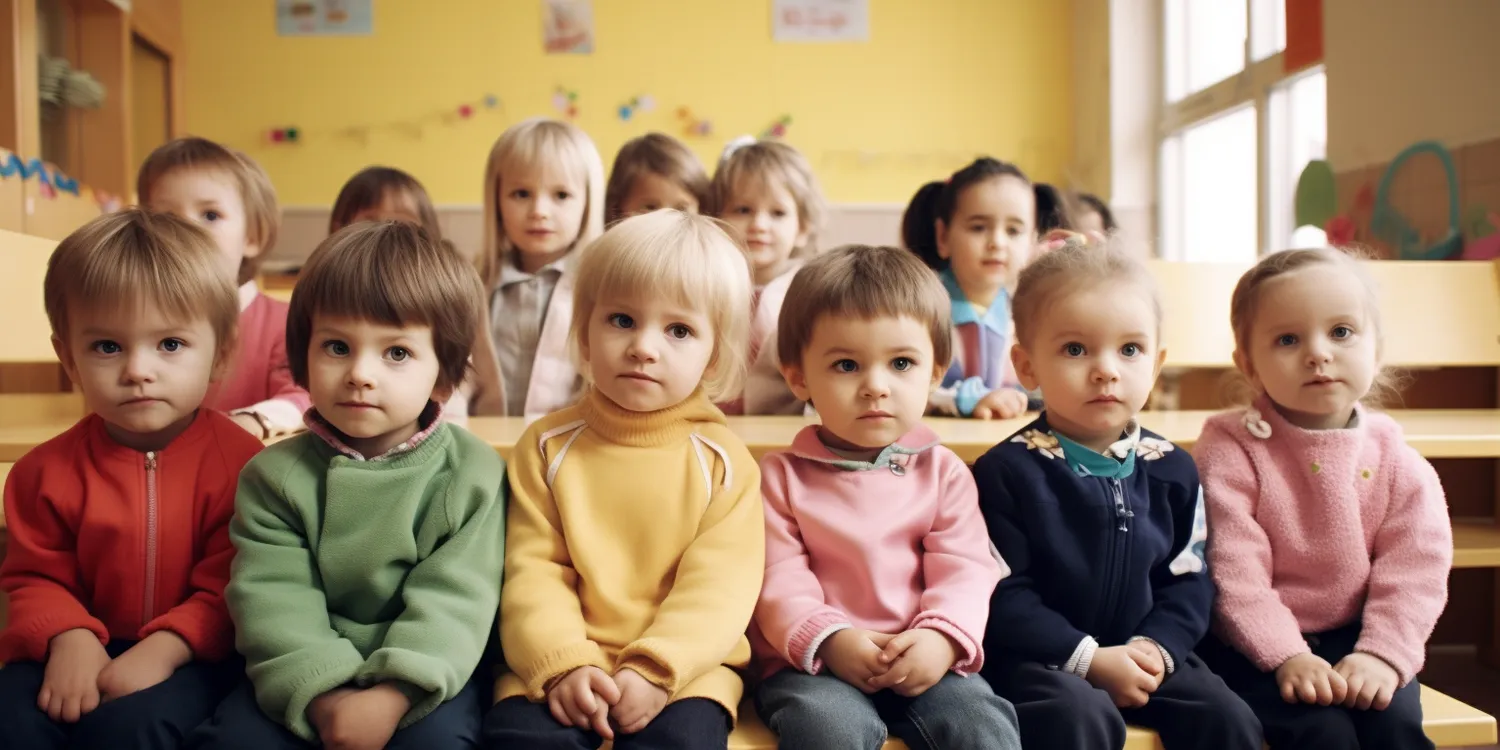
pixel 1476 543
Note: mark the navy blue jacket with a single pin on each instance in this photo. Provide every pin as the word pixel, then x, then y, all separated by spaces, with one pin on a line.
pixel 1108 546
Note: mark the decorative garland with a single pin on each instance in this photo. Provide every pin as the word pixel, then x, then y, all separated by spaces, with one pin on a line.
pixel 50 180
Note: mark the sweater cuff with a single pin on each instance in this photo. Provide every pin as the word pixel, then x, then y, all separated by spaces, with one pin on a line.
pixel 207 632
pixel 1166 656
pixel 811 664
pixel 281 415
pixel 1082 657
pixel 1391 656
pixel 546 670
pixel 30 641
pixel 800 646
pixel 971 654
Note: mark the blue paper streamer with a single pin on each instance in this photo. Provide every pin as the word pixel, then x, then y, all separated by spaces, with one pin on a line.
pixel 38 169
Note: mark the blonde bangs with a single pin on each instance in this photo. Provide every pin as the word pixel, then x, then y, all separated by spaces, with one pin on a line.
pixel 690 260
pixel 553 147
pixel 127 261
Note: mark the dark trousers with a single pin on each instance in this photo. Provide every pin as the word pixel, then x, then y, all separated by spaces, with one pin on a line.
pixel 1291 726
pixel 157 717
pixel 1192 710
pixel 688 724
pixel 239 724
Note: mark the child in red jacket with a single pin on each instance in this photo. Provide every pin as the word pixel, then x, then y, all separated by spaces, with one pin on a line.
pixel 119 546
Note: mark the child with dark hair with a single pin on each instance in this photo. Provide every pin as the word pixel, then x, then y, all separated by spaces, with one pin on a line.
pixel 977 230
pixel 1093 215
pixel 1054 209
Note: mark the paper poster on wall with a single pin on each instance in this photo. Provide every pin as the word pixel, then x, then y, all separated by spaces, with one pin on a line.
pixel 324 17
pixel 820 20
pixel 568 27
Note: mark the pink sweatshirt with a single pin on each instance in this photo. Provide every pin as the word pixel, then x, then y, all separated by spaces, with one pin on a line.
pixel 259 378
pixel 1311 530
pixel 890 545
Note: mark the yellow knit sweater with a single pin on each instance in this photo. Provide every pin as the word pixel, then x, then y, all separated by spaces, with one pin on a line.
pixel 633 540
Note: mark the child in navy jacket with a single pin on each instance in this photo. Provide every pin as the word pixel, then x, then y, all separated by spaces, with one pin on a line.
pixel 1102 524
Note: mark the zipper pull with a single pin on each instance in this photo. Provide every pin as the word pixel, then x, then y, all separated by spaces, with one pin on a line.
pixel 150 460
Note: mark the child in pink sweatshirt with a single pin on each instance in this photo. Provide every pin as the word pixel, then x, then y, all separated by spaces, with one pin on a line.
pixel 878 566
pixel 1331 540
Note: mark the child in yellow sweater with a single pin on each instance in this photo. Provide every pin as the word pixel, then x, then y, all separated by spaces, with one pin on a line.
pixel 635 541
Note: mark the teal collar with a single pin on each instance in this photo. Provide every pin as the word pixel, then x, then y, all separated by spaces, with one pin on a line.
pixel 1116 462
pixel 996 318
pixel 894 457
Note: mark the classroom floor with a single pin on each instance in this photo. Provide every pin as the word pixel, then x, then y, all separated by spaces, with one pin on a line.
pixel 1460 675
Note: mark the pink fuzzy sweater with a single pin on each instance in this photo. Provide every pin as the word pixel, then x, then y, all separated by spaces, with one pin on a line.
pixel 1311 530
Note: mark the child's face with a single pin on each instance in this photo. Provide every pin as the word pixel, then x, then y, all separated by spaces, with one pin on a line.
pixel 868 379
pixel 144 373
pixel 1095 356
pixel 647 354
pixel 370 380
pixel 1312 345
pixel 210 197
pixel 991 235
pixel 652 191
pixel 764 212
pixel 541 212
pixel 1089 220
pixel 395 205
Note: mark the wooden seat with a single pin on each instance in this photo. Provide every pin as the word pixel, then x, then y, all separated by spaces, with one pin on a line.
pixel 1449 723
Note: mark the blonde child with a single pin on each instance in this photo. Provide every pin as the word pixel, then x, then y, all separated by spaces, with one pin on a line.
pixel 636 536
pixel 977 230
pixel 1332 542
pixel 873 612
pixel 229 195
pixel 654 171
pixel 118 546
pixel 368 549
pixel 387 194
pixel 1102 524
pixel 543 199
pixel 766 191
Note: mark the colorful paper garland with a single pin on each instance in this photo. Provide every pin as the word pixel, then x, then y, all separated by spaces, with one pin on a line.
pixel 50 181
pixel 291 134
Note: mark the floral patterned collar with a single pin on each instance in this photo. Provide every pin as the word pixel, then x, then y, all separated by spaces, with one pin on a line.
pixel 1116 462
pixel 430 419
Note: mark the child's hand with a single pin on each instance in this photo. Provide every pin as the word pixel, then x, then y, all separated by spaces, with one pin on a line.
pixel 364 719
pixel 1002 403
pixel 640 701
pixel 1310 679
pixel 582 699
pixel 248 424
pixel 854 656
pixel 146 664
pixel 70 685
pixel 1372 682
pixel 1148 656
pixel 1117 670
pixel 320 710
pixel 916 660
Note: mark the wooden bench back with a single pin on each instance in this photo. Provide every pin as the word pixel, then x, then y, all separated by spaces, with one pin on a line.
pixel 25 335
pixel 1434 313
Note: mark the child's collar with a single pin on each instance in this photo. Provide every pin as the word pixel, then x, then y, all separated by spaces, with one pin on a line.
pixel 430 419
pixel 809 445
pixel 996 316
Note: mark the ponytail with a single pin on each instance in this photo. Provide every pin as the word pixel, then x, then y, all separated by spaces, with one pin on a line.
pixel 936 201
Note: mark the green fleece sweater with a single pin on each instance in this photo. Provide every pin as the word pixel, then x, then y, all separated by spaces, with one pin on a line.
pixel 350 571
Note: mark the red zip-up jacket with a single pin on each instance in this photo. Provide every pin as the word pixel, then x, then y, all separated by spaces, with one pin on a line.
pixel 120 542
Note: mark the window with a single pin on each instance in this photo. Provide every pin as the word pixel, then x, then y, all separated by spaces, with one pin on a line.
pixel 1236 131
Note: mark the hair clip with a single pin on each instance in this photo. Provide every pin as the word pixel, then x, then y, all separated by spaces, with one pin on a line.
pixel 735 145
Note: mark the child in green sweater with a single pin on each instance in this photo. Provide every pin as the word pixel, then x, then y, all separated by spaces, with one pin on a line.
pixel 369 549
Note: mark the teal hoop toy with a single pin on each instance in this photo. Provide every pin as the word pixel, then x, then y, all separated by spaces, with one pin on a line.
pixel 1391 227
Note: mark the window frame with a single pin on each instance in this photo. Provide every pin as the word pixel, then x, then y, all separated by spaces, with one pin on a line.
pixel 1255 84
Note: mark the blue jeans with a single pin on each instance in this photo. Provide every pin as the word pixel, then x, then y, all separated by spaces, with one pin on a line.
pixel 822 712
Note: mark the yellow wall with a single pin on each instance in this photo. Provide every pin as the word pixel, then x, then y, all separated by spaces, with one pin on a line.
pixel 940 82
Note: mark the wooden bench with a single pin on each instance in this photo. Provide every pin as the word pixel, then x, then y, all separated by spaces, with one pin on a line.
pixel 1449 723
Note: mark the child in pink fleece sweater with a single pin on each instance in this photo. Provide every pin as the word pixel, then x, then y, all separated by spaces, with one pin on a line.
pixel 878 566
pixel 1332 543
